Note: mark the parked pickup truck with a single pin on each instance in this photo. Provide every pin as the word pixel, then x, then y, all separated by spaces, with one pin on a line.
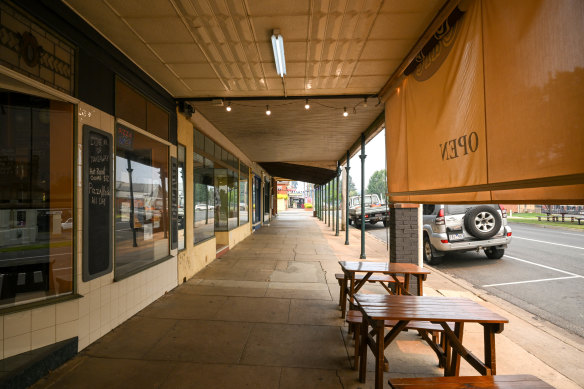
pixel 375 210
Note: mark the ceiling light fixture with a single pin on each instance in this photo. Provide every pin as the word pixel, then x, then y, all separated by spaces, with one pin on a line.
pixel 345 114
pixel 268 112
pixel 278 47
pixel 365 103
pixel 306 106
pixel 228 108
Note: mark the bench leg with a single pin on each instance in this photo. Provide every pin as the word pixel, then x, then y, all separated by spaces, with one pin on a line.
pixel 357 339
pixel 344 297
pixel 363 352
pixel 380 357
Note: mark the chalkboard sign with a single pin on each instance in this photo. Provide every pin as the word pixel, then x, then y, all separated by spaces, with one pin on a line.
pixel 97 202
pixel 174 202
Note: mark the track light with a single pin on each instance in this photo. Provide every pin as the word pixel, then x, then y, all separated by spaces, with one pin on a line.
pixel 306 106
pixel 365 103
pixel 228 108
pixel 345 114
pixel 268 112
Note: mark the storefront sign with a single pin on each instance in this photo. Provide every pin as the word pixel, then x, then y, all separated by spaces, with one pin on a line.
pixel 97 202
pixel 31 49
pixel 494 112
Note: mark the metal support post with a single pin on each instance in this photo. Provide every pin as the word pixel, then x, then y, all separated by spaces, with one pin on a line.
pixel 362 156
pixel 315 200
pixel 347 202
pixel 329 191
pixel 337 198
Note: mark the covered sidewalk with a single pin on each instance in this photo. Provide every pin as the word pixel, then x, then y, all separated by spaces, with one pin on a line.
pixel 265 315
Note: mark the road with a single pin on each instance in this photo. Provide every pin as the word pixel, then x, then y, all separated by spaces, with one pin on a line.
pixel 542 272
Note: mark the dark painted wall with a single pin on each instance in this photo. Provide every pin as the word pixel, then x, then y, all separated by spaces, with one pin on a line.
pixel 98 61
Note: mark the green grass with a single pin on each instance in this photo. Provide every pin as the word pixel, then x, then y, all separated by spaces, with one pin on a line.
pixel 531 218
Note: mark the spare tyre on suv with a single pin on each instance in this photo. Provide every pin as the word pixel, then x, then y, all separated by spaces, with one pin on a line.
pixel 450 228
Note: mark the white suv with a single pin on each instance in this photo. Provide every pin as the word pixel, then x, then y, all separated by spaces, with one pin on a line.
pixel 450 228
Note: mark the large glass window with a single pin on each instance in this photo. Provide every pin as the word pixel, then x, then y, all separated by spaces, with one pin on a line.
pixel 142 222
pixel 233 183
pixel 257 199
pixel 204 213
pixel 267 197
pixel 221 199
pixel 36 198
pixel 181 176
pixel 243 195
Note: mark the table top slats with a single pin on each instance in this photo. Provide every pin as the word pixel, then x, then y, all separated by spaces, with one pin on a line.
pixel 382 267
pixel 425 308
pixel 493 382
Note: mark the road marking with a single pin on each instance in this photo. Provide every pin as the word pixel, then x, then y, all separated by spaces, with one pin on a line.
pixel 543 241
pixel 568 233
pixel 544 266
pixel 530 281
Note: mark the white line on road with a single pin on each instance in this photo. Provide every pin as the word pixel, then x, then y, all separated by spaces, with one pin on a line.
pixel 569 233
pixel 530 281
pixel 544 266
pixel 543 241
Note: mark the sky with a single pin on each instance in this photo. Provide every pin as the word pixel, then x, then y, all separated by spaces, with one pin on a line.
pixel 375 152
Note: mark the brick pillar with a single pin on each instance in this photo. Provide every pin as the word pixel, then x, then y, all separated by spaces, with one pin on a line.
pixel 403 237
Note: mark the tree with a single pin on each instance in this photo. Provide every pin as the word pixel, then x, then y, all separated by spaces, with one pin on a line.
pixel 378 183
pixel 352 188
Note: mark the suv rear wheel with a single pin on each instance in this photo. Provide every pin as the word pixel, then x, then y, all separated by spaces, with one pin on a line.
pixel 494 252
pixel 482 222
pixel 429 253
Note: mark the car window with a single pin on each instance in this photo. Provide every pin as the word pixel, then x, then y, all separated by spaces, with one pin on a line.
pixel 428 209
pixel 460 209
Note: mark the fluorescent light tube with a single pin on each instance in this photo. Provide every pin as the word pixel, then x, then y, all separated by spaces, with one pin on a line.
pixel 278 47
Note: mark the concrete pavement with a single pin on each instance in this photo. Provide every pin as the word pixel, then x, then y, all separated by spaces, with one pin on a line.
pixel 265 315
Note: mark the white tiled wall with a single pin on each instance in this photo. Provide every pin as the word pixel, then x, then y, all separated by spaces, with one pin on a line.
pixel 105 304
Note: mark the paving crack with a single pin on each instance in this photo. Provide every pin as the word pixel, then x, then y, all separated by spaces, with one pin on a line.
pixel 340 379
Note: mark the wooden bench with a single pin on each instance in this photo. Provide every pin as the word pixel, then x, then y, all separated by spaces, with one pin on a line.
pixel 359 276
pixel 555 218
pixel 437 341
pixel 484 382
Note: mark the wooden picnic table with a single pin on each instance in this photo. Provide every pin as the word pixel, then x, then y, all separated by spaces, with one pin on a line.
pixel 350 268
pixel 376 308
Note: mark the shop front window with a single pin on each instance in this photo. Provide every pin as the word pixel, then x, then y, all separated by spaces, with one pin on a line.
pixel 36 198
pixel 257 199
pixel 267 198
pixel 221 199
pixel 243 195
pixel 181 175
pixel 204 212
pixel 233 195
pixel 141 202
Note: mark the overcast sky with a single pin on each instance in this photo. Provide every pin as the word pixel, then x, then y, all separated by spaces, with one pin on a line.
pixel 375 151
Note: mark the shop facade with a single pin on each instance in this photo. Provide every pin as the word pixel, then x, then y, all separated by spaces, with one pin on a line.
pixel 111 194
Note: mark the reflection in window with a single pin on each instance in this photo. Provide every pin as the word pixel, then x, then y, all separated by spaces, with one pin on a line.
pixel 36 198
pixel 267 200
pixel 181 196
pixel 142 225
pixel 256 199
pixel 221 200
pixel 204 212
pixel 243 195
pixel 233 194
